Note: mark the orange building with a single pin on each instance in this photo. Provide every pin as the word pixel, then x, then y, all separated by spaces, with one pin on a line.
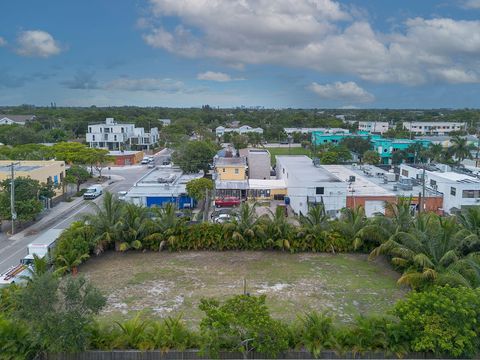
pixel 123 158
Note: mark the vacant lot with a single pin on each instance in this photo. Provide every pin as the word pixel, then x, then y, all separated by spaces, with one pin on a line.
pixel 164 284
pixel 287 151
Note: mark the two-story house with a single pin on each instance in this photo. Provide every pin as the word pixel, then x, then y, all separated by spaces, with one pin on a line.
pixel 231 176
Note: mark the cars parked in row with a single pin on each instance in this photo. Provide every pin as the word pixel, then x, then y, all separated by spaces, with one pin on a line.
pixel 227 201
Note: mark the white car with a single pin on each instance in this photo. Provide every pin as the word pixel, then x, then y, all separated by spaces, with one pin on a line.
pixel 121 195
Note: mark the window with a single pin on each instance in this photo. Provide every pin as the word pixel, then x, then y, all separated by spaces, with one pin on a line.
pixel 471 194
pixel 236 171
pixel 89 129
pixel 114 137
pixel 93 137
pixel 433 183
pixel 319 190
pixel 453 191
pixel 404 172
pixel 223 170
pixel 122 129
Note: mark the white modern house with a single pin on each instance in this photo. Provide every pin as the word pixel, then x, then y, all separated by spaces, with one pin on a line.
pixel 166 122
pixel 377 127
pixel 115 136
pixel 245 129
pixel 15 119
pixel 309 183
pixel 459 189
pixel 434 127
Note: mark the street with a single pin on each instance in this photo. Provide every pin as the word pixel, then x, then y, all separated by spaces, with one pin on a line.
pixel 61 216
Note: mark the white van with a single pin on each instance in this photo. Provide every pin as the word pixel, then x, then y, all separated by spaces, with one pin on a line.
pixel 93 192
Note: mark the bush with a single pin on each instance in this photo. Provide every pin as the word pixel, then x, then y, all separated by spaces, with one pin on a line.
pixel 443 320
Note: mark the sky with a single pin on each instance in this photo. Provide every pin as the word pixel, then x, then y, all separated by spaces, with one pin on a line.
pixel 228 53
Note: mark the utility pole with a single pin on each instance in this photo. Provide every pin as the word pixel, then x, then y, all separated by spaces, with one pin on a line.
pixel 422 200
pixel 12 196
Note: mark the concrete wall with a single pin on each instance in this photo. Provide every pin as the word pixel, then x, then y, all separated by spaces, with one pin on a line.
pixel 432 204
pixel 258 164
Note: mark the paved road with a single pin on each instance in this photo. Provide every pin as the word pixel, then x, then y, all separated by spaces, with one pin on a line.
pixel 123 178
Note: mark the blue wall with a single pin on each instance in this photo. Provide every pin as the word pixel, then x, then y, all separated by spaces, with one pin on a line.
pixel 161 200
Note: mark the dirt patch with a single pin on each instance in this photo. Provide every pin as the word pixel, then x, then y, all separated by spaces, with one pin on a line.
pixel 165 284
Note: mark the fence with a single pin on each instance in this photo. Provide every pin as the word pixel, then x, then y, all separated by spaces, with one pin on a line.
pixel 195 355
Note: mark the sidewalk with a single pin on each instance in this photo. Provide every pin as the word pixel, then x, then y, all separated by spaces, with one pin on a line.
pixel 62 210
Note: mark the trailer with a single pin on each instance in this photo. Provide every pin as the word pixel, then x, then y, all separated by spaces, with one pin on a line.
pixel 42 246
pixel 14 275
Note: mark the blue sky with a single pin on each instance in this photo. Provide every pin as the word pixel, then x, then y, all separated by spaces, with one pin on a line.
pixel 272 53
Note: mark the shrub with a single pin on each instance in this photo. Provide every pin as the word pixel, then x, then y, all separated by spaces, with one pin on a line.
pixel 443 320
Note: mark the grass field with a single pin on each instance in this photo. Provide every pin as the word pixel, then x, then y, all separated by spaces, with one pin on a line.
pixel 287 151
pixel 164 284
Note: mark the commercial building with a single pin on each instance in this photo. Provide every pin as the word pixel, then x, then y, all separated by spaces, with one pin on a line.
pixel 245 129
pixel 377 127
pixel 308 182
pixel 48 171
pixel 15 119
pixel 231 176
pixel 271 189
pixel 115 136
pixel 386 148
pixel 163 185
pixel 460 188
pixel 373 188
pixel 258 163
pixel 125 157
pixel 434 127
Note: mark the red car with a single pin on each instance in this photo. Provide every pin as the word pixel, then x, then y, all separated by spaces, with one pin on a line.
pixel 227 201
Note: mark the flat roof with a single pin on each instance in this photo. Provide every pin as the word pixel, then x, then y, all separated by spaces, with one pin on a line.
pixel 24 168
pixel 231 184
pixel 301 167
pixel 362 184
pixel 266 184
pixel 231 161
pixel 124 153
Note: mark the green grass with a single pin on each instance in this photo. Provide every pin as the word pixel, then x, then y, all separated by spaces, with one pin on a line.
pixel 165 284
pixel 287 151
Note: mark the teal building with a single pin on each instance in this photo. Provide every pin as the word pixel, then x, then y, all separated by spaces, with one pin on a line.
pixel 384 147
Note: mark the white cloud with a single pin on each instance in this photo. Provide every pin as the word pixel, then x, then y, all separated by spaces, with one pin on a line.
pixel 37 43
pixel 471 4
pixel 342 91
pixel 216 76
pixel 321 35
pixel 3 42
pixel 146 84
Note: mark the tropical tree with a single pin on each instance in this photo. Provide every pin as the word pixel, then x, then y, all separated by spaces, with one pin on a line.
pixel 77 175
pixel 371 157
pixel 277 228
pixel 316 333
pixel 106 221
pixel 436 153
pixel 428 254
pixel 246 227
pixel 461 149
pixel 70 261
pixel 133 226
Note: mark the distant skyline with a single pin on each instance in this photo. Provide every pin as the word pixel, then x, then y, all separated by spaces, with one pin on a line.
pixel 271 53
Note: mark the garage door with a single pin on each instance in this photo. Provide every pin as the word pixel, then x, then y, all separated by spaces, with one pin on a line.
pixel 159 200
pixel 374 206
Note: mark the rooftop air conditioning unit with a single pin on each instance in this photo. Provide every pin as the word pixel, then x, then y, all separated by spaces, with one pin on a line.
pixel 351 178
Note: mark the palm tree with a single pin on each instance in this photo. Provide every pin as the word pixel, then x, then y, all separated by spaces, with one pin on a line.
pixel 133 333
pixel 355 226
pixel 133 226
pixel 106 221
pixel 436 153
pixel 70 262
pixel 469 220
pixel 278 229
pixel 316 218
pixel 461 149
pixel 165 225
pixel 246 226
pixel 428 253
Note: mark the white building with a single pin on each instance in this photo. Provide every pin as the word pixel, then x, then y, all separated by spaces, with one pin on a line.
pixel 459 189
pixel 114 136
pixel 290 131
pixel 308 183
pixel 434 127
pixel 245 129
pixel 15 119
pixel 165 184
pixel 166 122
pixel 378 127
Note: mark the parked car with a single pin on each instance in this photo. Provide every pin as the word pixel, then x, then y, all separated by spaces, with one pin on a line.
pixel 121 195
pixel 222 218
pixel 145 161
pixel 151 165
pixel 228 201
pixel 93 192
